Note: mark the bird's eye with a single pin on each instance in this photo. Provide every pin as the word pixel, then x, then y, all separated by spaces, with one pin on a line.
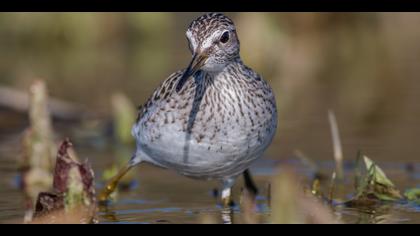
pixel 225 37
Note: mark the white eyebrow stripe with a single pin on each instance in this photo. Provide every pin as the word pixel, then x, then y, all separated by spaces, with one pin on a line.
pixel 209 41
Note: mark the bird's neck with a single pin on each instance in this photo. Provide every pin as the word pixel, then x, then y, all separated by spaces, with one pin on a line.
pixel 228 79
pixel 236 62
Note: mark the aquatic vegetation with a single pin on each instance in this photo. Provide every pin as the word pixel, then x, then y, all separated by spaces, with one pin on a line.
pixel 413 195
pixel 37 161
pixel 291 206
pixel 383 187
pixel 372 185
pixel 73 196
pixel 124 114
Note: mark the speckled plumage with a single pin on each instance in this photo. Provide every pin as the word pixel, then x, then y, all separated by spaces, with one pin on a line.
pixel 221 118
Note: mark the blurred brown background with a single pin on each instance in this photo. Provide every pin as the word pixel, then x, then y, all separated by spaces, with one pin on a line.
pixel 364 66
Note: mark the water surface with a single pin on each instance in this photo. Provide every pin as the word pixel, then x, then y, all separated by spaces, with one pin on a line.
pixel 162 196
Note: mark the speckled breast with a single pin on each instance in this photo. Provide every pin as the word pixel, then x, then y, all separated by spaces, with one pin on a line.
pixel 215 133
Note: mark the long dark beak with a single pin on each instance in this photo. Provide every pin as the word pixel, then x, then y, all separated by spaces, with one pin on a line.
pixel 196 63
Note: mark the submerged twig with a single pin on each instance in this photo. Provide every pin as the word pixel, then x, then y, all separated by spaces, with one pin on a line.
pixel 332 188
pixel 338 151
pixel 358 171
pixel 269 194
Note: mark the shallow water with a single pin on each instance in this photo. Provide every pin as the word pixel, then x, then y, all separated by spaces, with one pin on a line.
pixel 161 196
pixel 355 64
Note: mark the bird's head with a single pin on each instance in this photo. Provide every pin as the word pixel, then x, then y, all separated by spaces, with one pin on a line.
pixel 213 43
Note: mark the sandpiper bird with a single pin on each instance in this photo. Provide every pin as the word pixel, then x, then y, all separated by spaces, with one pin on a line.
pixel 210 120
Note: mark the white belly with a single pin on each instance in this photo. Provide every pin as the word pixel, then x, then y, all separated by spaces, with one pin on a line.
pixel 222 156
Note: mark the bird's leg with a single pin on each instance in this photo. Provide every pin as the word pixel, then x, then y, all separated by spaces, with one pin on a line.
pixel 227 216
pixel 227 192
pixel 227 211
pixel 113 183
pixel 248 198
pixel 250 183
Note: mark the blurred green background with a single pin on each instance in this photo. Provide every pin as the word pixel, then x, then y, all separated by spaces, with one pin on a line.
pixel 364 66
